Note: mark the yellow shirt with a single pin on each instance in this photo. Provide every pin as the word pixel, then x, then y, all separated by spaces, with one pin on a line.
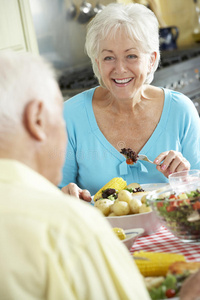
pixel 56 247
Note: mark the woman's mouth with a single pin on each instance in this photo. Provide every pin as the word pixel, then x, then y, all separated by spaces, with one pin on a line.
pixel 123 81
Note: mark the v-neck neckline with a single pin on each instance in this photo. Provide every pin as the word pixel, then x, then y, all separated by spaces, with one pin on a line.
pixel 152 140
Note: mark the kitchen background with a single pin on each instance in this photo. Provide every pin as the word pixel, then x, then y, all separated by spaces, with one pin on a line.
pixel 45 27
pixel 61 39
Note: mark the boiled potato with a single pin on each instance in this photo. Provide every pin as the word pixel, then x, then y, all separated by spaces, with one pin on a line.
pixel 104 205
pixel 120 208
pixel 143 208
pixel 143 199
pixel 111 214
pixel 124 196
pixel 135 205
pixel 111 207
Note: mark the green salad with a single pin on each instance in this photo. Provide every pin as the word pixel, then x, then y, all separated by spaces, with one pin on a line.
pixel 169 288
pixel 180 213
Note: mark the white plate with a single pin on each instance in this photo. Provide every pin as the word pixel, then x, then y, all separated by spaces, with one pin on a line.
pixel 131 236
pixel 149 187
pixel 153 186
pixel 176 298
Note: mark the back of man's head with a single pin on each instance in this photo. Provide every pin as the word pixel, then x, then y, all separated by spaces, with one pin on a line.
pixel 32 128
pixel 23 77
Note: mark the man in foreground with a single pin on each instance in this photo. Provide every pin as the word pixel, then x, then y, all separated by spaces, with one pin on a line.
pixel 53 246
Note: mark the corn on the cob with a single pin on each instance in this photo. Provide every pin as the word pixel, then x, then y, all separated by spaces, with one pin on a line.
pixel 116 183
pixel 157 263
pixel 119 232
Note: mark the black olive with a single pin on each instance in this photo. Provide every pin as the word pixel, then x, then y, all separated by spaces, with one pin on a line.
pixel 108 192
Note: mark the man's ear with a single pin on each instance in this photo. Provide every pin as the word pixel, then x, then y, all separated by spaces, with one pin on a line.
pixel 34 119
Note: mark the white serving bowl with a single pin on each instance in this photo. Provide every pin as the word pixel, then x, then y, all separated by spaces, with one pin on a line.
pixel 148 221
pixel 131 236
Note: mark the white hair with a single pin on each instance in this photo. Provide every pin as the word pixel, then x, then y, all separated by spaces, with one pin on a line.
pixel 23 77
pixel 139 23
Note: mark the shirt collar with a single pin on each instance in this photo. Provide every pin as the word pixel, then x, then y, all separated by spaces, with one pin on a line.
pixel 13 171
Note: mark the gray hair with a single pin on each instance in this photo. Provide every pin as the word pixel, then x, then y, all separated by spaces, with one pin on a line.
pixel 23 77
pixel 139 23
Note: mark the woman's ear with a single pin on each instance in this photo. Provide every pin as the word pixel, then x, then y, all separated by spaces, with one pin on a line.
pixel 152 60
pixel 34 119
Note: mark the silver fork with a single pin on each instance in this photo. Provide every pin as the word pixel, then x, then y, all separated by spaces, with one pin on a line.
pixel 144 157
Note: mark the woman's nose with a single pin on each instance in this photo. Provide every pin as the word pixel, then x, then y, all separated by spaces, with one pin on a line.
pixel 120 66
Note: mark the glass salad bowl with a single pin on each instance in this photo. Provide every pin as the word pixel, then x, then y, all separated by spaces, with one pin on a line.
pixel 184 181
pixel 179 212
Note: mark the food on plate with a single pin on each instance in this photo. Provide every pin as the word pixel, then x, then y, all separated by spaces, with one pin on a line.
pixel 144 208
pixel 136 189
pixel 120 208
pixel 119 232
pixel 133 185
pixel 180 267
pixel 169 286
pixel 153 282
pixel 135 205
pixel 157 263
pixel 116 183
pixel 144 199
pixel 108 192
pixel 180 213
pixel 124 195
pixel 131 156
pixel 118 199
pixel 104 205
pixel 164 273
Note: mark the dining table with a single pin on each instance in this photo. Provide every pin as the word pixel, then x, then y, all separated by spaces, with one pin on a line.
pixel 164 241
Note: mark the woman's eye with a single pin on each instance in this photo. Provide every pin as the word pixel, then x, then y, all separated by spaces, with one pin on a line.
pixel 108 58
pixel 132 56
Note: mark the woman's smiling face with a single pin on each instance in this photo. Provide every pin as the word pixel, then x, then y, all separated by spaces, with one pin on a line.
pixel 122 65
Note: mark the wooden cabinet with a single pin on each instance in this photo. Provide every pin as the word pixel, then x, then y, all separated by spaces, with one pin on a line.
pixel 16 26
pixel 181 14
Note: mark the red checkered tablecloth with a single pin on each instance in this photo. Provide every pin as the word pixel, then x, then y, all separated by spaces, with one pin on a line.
pixel 165 241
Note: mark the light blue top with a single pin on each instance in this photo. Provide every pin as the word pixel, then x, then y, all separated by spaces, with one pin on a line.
pixel 91 161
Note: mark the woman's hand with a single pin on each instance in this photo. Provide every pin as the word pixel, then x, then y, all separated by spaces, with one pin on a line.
pixel 191 288
pixel 170 162
pixel 73 190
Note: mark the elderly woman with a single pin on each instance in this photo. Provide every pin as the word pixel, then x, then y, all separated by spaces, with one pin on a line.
pixel 125 111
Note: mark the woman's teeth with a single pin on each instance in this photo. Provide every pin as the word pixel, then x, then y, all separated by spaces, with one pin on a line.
pixel 122 80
